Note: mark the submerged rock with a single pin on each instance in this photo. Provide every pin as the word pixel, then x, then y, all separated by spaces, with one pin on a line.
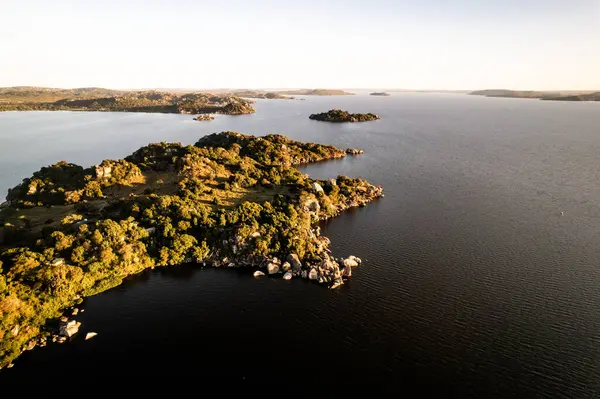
pixel 90 335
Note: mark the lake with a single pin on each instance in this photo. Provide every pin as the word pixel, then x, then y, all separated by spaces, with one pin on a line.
pixel 480 272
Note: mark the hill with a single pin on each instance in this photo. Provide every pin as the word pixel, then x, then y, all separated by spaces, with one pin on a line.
pixel 316 92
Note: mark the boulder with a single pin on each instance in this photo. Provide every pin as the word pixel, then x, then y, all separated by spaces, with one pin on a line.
pixel 75 311
pixel 272 268
pixel 294 261
pixel 312 205
pixel 286 267
pixel 30 345
pixel 336 284
pixel 287 276
pixel 317 187
pixel 313 275
pixel 347 272
pixel 90 335
pixel 15 330
pixel 255 234
pixel 57 262
pixel 333 182
pixel 69 329
pixel 304 274
pixel 258 273
pixel 350 261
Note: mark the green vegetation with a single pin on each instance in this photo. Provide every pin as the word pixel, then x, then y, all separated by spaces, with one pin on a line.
pixel 338 115
pixel 146 101
pixel 230 199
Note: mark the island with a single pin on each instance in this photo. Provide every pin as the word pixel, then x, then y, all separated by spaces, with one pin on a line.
pixel 338 115
pixel 36 99
pixel 316 92
pixel 568 95
pixel 380 93
pixel 228 201
pixel 204 117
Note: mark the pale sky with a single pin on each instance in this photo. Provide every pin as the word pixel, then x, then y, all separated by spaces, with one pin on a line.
pixel 416 44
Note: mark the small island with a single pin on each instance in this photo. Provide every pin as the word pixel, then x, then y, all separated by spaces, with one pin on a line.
pixel 380 93
pixel 338 115
pixel 204 117
pixel 37 99
pixel 228 201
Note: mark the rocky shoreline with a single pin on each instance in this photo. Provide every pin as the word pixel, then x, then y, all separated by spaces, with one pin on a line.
pixel 230 200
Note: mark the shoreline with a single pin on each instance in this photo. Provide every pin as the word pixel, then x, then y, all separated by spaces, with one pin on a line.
pixel 240 246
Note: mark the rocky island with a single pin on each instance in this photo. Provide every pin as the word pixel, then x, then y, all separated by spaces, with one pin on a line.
pixel 380 93
pixel 230 200
pixel 338 115
pixel 142 101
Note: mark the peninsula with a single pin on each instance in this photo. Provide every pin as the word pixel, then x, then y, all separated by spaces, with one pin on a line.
pixel 542 95
pixel 230 200
pixel 338 115
pixel 316 92
pixel 94 99
pixel 264 95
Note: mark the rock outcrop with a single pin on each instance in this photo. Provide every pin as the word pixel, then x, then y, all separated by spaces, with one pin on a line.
pixel 294 261
pixel 354 151
pixel 69 328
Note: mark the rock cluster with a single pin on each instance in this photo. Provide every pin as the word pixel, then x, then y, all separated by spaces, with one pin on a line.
pixel 354 151
pixel 204 117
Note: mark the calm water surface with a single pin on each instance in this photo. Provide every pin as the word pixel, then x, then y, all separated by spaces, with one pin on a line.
pixel 481 272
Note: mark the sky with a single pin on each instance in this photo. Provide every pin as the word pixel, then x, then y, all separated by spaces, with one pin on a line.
pixel 424 44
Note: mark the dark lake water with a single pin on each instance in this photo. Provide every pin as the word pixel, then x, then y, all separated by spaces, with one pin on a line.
pixel 480 274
